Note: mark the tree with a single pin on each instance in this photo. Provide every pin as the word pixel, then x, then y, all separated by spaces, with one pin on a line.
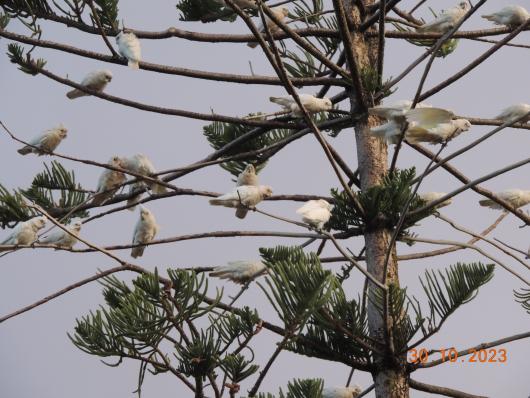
pixel 169 318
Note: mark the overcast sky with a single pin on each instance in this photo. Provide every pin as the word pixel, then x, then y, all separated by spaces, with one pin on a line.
pixel 38 360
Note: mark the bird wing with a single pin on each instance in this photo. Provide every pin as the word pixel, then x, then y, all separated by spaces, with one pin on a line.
pixel 308 100
pixel 318 214
pixel 308 206
pixel 416 134
pixel 429 117
pixel 104 180
pixel 145 166
pixel 136 232
pixel 54 237
pixel 90 78
pixel 129 46
pixel 510 195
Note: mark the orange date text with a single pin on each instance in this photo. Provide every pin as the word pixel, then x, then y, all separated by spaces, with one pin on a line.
pixel 491 355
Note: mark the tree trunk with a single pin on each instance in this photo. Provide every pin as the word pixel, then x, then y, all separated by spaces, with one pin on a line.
pixel 391 379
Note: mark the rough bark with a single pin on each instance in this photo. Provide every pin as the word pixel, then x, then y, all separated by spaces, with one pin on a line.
pixel 391 379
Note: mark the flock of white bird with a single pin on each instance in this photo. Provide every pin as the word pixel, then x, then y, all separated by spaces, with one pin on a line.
pixel 419 124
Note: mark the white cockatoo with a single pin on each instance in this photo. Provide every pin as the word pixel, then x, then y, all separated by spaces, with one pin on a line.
pixel 311 103
pixel 395 114
pixel 248 176
pixel 429 197
pixel 62 238
pixel 244 4
pixel 240 271
pixel 341 392
pixel 446 20
pixel 129 47
pixel 516 197
pixel 510 16
pixel 514 112
pixel 96 80
pixel 25 233
pixel 45 143
pixel 242 198
pixel 144 232
pixel 315 212
pixel 432 125
pixel 141 164
pixel 280 13
pixel 109 182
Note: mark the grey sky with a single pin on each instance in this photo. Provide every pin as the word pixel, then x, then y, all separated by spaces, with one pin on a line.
pixel 38 360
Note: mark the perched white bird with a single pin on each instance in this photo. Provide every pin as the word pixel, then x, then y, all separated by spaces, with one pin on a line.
pixel 144 232
pixel 429 197
pixel 280 13
pixel 62 238
pixel 141 164
pixel 315 212
pixel 109 182
pixel 129 47
pixel 25 233
pixel 240 271
pixel 242 198
pixel 244 4
pixel 516 197
pixel 446 20
pixel 514 112
pixel 46 142
pixel 248 176
pixel 96 80
pixel 341 392
pixel 510 16
pixel 311 103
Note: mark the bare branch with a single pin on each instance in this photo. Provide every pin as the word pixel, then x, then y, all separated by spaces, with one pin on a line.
pixel 468 246
pixel 447 392
pixel 171 70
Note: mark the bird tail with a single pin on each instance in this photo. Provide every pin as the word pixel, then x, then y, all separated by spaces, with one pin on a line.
pixel 75 93
pixel 241 212
pixel 134 64
pixel 487 203
pixel 25 150
pixel 280 101
pixel 158 189
pixel 133 202
pixel 220 272
pixel 137 251
pixel 252 44
pixel 489 17
pixel 217 202
pixel 99 198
